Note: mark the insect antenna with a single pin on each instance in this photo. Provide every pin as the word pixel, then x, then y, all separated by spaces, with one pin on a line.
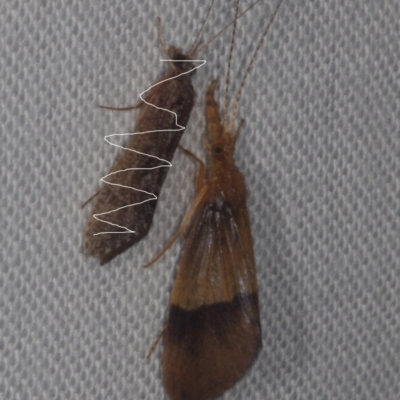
pixel 229 66
pixel 197 42
pixel 236 105
pixel 159 37
pixel 200 49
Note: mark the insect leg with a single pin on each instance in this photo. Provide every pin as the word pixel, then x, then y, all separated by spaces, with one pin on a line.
pixel 154 345
pixel 90 199
pixel 183 226
pixel 200 176
pixel 122 108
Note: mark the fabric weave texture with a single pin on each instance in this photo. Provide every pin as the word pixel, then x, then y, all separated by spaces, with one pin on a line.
pixel 320 151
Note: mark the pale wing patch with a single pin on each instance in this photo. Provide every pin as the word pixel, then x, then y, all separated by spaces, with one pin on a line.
pixel 218 263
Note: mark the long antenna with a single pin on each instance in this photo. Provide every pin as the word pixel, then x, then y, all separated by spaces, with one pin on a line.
pixel 159 37
pixel 235 108
pixel 229 65
pixel 198 50
pixel 195 44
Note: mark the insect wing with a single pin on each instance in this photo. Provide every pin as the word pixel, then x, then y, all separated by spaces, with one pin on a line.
pixel 119 193
pixel 213 332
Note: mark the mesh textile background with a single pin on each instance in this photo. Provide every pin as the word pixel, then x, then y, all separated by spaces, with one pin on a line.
pixel 320 151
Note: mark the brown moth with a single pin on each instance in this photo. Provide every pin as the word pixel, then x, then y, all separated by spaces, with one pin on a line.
pixel 213 331
pixel 124 207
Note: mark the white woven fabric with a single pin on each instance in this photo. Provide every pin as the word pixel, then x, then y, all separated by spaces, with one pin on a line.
pixel 320 151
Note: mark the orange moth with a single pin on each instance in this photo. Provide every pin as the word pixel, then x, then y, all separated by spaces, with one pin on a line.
pixel 213 331
pixel 124 207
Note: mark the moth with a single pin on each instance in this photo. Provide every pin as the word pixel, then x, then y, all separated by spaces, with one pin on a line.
pixel 124 207
pixel 213 331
